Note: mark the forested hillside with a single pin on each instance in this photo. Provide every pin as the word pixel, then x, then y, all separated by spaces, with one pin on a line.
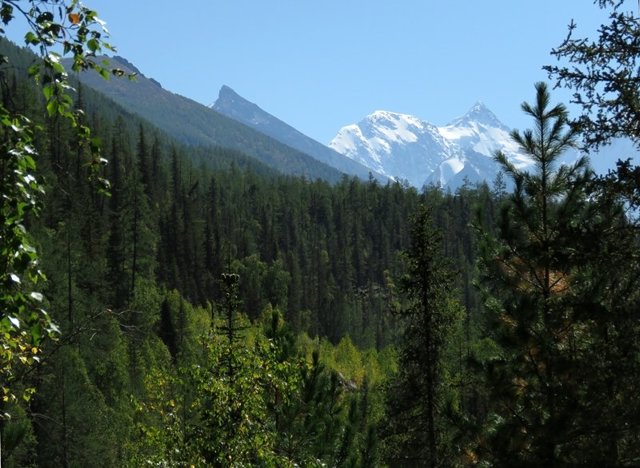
pixel 194 124
pixel 202 309
pixel 136 279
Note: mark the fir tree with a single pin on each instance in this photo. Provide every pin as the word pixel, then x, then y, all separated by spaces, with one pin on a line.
pixel 415 399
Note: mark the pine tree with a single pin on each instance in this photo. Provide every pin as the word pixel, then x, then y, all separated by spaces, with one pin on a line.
pixel 551 318
pixel 312 422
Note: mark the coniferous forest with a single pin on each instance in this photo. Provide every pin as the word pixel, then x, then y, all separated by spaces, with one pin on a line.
pixel 170 305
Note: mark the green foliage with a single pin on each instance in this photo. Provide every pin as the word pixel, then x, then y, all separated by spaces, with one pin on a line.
pixel 554 316
pixel 240 431
pixel 67 436
pixel 23 322
pixel 526 271
pixel 288 360
pixel 603 74
pixel 134 286
pixel 312 422
pixel 221 410
pixel 418 432
pixel 18 439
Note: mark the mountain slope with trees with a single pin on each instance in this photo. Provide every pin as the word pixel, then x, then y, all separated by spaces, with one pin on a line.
pixel 202 309
pixel 135 286
pixel 197 125
pixel 233 105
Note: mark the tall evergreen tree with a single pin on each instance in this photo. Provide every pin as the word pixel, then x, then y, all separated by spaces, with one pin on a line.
pixel 549 314
pixel 415 400
pixel 117 247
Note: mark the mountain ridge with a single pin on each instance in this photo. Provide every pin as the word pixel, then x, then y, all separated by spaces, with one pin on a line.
pixel 403 146
pixel 233 105
pixel 384 145
pixel 195 124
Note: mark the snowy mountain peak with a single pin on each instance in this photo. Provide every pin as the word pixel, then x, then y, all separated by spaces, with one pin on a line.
pixel 479 131
pixel 382 117
pixel 394 127
pixel 393 144
pixel 479 108
pixel 405 147
pixel 479 114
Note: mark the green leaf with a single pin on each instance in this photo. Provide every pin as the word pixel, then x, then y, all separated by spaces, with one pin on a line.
pixel 93 45
pixel 34 70
pixel 47 90
pixel 53 107
pixel 36 333
pixel 44 17
pixel 6 13
pixel 58 68
pixel 31 38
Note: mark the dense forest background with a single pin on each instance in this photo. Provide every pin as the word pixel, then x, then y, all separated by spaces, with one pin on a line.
pixel 211 311
pixel 135 279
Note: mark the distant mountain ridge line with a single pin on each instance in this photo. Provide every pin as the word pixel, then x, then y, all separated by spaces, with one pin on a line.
pixel 403 146
pixel 384 145
pixel 234 106
pixel 195 124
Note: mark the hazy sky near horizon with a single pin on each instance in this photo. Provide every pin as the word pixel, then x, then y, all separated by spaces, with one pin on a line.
pixel 324 64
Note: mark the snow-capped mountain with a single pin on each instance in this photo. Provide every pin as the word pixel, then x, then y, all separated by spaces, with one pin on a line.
pixel 407 148
pixel 395 145
pixel 480 131
pixel 478 135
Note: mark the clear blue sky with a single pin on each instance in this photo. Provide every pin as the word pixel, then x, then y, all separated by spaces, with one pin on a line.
pixel 319 65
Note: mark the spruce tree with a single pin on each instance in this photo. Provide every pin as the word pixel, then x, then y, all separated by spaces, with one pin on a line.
pixel 417 429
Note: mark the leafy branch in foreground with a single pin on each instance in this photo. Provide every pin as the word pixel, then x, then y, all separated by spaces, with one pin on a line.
pixel 54 28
